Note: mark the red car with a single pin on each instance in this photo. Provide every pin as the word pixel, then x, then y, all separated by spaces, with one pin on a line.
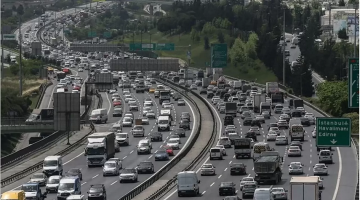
pixel 169 150
pixel 77 88
pixel 116 103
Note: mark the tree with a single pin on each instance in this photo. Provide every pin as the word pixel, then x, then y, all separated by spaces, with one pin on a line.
pixel 333 96
pixel 341 3
pixel 342 34
pixel 220 37
pixel 20 10
pixel 206 43
pixel 302 78
pixel 13 8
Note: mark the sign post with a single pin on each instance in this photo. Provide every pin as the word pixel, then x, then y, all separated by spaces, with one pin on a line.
pixel 353 82
pixel 218 55
pixel 8 37
pixel 333 132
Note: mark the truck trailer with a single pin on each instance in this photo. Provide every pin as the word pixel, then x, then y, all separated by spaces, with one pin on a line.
pixel 242 147
pixel 258 98
pixel 100 147
pixel 41 116
pixel 267 168
pixel 304 188
pixel 205 82
pixel 231 108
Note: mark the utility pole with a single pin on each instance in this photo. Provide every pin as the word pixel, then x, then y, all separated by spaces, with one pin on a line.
pixel 2 55
pixel 20 59
pixel 356 20
pixel 284 49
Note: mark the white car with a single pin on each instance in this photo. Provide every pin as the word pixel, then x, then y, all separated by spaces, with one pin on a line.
pixel 53 183
pixel 166 105
pixel 146 110
pixel 279 193
pixel 296 168
pixel 246 180
pixel 311 117
pixel 222 148
pixel 271 136
pixel 80 69
pixel 148 101
pixel 276 130
pixel 313 133
pixel 286 110
pixel 215 99
pixel 151 114
pixel 230 127
pixel 127 99
pixel 39 178
pixel 225 141
pixel 301 109
pixel 148 104
pixel 281 140
pixel 294 151
pixel 207 169
pixel 320 169
pixel 132 101
pixel 255 130
pixel 261 118
pixel 174 143
pixel 112 91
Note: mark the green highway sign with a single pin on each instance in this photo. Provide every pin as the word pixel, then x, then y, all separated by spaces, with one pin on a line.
pixel 333 132
pixel 91 34
pixel 8 37
pixel 218 55
pixel 353 83
pixel 165 47
pixel 107 35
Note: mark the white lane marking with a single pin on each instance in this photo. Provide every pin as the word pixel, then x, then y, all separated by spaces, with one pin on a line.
pixel 156 151
pixel 124 157
pixel 230 162
pixel 107 97
pixel 83 183
pixel 131 151
pixel 225 169
pixel 51 96
pixel 203 193
pixel 212 184
pixel 220 176
pixel 113 183
pixel 339 174
pixel 150 156
pixel 95 176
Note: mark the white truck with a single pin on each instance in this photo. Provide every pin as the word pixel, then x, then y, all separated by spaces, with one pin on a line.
pixel 258 98
pixel 297 132
pixel 237 85
pixel 272 87
pixel 208 72
pixel 205 82
pixel 304 188
pixel 100 147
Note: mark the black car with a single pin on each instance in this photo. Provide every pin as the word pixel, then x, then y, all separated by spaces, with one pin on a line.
pixel 256 122
pixel 305 121
pixel 226 96
pixel 74 172
pixel 203 91
pixel 185 124
pixel 228 120
pixel 238 169
pixel 156 136
pixel 252 135
pixel 247 121
pixel 117 112
pixel 176 96
pixel 145 167
pixel 227 188
pixel 296 143
pixel 97 192
pixel 210 95
pixel 180 132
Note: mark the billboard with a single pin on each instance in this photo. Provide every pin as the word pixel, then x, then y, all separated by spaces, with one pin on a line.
pixel 144 65
pixel 352 22
pixel 67 111
pixel 104 78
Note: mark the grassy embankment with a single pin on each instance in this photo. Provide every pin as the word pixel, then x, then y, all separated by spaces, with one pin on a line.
pixel 200 56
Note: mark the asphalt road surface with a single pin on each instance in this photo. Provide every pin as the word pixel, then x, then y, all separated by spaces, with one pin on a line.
pixel 341 180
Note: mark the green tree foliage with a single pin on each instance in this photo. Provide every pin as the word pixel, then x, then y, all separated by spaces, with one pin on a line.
pixel 133 6
pixel 221 37
pixel 342 34
pixel 354 116
pixel 301 81
pixel 20 9
pixel 341 3
pixel 206 43
pixel 31 67
pixel 333 96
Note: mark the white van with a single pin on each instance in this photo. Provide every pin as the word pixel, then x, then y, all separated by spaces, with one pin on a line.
pixel 216 152
pixel 123 139
pixel 99 116
pixel 53 165
pixel 68 185
pixel 325 156
pixel 188 183
pixel 164 123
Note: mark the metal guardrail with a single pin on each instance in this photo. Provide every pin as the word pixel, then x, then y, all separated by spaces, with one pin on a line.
pixel 137 190
pixel 28 151
pixel 42 91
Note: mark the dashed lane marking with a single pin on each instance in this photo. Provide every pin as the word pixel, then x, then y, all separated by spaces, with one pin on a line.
pixel 95 176
pixel 83 183
pixel 113 183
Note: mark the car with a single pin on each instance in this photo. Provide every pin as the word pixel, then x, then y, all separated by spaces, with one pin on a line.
pixel 266 114
pixel 275 129
pixel 117 112
pixel 80 70
pixel 116 103
pixel 305 121
pixel 156 136
pixel 169 150
pixel 152 90
pixel 225 141
pixel 223 149
pixel 281 140
pixel 210 95
pixel 279 193
pixel 193 87
pixel 245 114
pixel 111 167
pixel 145 167
pixel 203 91
pixel 161 155
pixel 151 114
pixel 53 183
pixel 260 118
pixel 293 46
pixel 132 101
pixel 320 169
pixel 238 169
pixel 296 168
pixel 313 133
pixel 174 143
pixel 311 117
pixel 271 136
pixel 129 174
pixel 148 101
pixel 167 105
pixel 227 188
pixel 39 178
pixel 296 143
pixel 74 172
pixel 181 102
pixel 133 107
pixel 127 122
pixel 185 124
pixel 247 121
pixel 117 160
pixel 301 109
pixel 222 110
pixel 207 169
pixel 246 180
pixel 285 117
pixel 283 124
pixel 97 191
pixel 176 137
pixel 146 109
pixel 255 129
pixel 128 98
pixel 180 132
pixel 294 151
pixel 215 100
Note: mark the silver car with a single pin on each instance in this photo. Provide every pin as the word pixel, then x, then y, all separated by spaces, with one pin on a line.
pixel 129 175
pixel 296 168
pixel 39 178
pixel 174 143
pixel 138 131
pixel 181 102
pixel 151 114
pixel 207 169
pixel 320 169
pixel 53 183
pixel 111 168
pixel 127 122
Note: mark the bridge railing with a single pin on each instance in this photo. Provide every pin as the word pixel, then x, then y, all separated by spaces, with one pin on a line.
pixel 13 121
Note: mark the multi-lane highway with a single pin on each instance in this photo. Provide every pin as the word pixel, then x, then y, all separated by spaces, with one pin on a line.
pixel 128 154
pixel 339 184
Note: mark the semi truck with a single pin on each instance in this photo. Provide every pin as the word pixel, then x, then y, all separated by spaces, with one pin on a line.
pixel 242 147
pixel 304 187
pixel 205 82
pixel 230 108
pixel 41 116
pixel 100 147
pixel 164 96
pixel 258 98
pixel 272 87
pixel 267 167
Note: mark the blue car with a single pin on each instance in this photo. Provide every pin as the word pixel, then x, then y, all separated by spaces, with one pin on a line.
pixel 161 155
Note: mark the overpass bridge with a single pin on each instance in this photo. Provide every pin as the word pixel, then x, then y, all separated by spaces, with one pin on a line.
pixel 17 125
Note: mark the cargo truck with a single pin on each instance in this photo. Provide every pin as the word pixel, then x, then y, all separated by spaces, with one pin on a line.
pixel 267 168
pixel 205 82
pixel 258 98
pixel 164 96
pixel 100 147
pixel 41 116
pixel 231 108
pixel 237 85
pixel 277 98
pixel 298 103
pixel 304 187
pixel 272 87
pixel 208 72
pixel 242 147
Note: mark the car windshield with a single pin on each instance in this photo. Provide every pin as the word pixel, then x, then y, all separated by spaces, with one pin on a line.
pixel 247 179
pixel 66 186
pixel 163 121
pixel 145 164
pixel 54 181
pixel 277 190
pixel 50 163
pixel 96 190
pixel 138 128
pixel 38 176
pixel 117 111
pixel 130 171
pixel 295 166
pixel 29 188
pixel 226 184
pixel 207 166
pixel 127 120
pixel 109 165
